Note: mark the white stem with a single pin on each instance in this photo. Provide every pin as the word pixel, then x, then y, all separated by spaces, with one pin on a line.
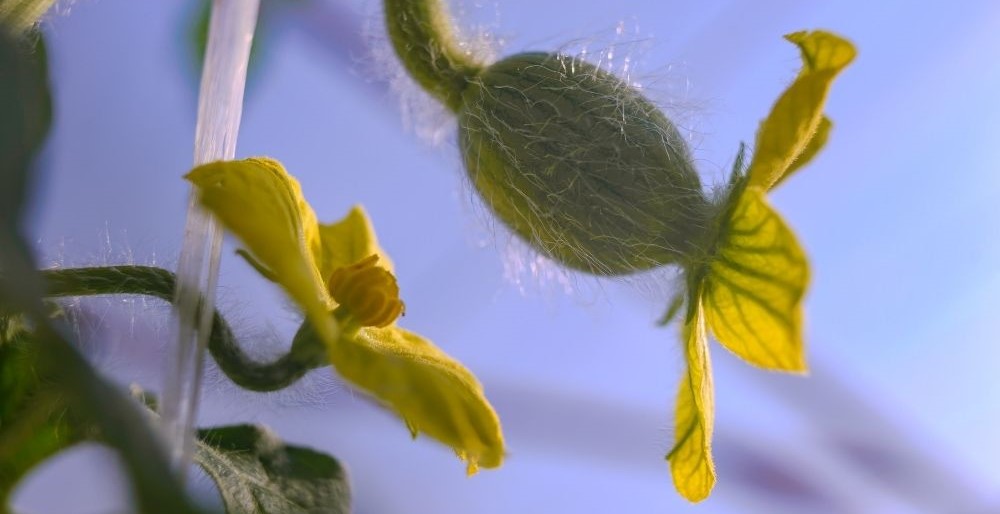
pixel 220 106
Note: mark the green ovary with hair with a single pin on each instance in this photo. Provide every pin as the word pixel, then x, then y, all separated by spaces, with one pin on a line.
pixel 580 165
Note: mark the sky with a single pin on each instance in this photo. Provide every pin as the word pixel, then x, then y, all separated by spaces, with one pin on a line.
pixel 899 216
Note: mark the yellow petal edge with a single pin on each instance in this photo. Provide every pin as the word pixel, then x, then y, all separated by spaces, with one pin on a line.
pixel 262 205
pixel 690 459
pixel 786 132
pixel 432 392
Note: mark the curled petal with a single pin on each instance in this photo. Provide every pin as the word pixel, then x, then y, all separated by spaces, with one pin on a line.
pixel 262 205
pixel 432 392
pixel 795 118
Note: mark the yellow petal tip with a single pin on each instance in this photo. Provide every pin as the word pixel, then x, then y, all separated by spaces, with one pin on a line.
pixel 822 49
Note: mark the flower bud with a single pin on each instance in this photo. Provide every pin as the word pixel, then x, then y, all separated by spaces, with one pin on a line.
pixel 580 165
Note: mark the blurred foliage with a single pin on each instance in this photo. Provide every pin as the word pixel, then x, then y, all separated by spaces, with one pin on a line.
pixel 34 420
pixel 25 115
pixel 51 397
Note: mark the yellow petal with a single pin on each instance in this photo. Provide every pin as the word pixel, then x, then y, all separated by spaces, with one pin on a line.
pixel 754 287
pixel 260 203
pixel 691 457
pixel 812 149
pixel 348 241
pixel 432 392
pixel 795 117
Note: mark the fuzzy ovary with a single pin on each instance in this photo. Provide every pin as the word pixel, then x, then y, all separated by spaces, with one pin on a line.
pixel 580 165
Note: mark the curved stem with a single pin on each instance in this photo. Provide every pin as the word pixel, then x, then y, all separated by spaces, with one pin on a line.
pixel 421 32
pixel 160 283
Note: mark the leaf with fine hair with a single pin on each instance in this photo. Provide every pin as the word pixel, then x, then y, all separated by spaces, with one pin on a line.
pixel 257 473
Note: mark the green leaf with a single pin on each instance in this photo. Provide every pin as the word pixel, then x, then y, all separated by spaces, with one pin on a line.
pixel 690 459
pixel 755 284
pixel 258 474
pixel 25 117
pixel 787 131
pixel 23 96
pixel 34 426
pixel 34 422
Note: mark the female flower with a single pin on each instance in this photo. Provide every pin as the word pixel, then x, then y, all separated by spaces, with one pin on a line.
pixel 590 173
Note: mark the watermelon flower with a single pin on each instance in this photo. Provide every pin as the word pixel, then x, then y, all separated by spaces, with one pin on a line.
pixel 343 281
pixel 590 173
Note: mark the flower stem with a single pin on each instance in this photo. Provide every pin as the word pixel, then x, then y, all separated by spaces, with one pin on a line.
pixel 421 32
pixel 242 369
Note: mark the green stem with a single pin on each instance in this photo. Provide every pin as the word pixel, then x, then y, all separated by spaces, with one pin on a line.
pixel 421 32
pixel 242 369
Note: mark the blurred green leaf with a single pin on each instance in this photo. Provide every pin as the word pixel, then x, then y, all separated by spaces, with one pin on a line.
pixel 257 473
pixel 34 422
pixel 25 116
pixel 24 119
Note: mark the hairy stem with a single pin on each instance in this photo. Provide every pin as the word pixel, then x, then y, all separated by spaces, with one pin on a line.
pixel 242 369
pixel 421 32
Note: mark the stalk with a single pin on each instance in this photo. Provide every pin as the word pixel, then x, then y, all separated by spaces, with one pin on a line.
pixel 422 35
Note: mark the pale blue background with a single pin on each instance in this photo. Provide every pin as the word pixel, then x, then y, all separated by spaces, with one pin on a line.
pixel 899 216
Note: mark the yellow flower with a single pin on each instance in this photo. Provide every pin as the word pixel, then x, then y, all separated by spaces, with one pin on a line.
pixel 748 290
pixel 343 281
